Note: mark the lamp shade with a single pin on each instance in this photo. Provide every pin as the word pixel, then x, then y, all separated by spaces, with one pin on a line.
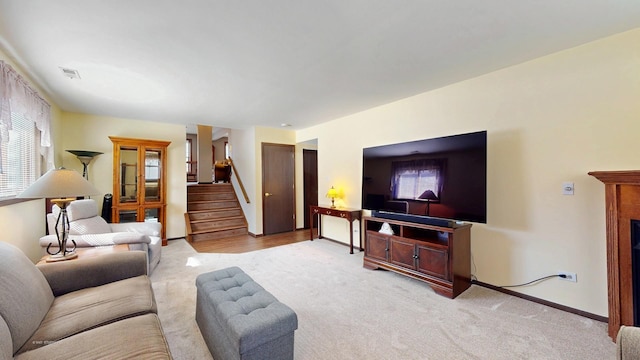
pixel 332 193
pixel 428 195
pixel 85 153
pixel 59 183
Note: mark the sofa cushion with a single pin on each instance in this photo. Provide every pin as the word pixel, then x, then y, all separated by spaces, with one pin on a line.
pixel 26 295
pixel 88 308
pixel 138 337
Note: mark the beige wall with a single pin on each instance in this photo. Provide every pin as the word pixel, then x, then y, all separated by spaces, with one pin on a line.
pixel 246 152
pixel 242 143
pixel 23 224
pixel 91 132
pixel 549 120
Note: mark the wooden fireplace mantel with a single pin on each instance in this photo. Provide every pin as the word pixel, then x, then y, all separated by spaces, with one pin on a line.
pixel 622 200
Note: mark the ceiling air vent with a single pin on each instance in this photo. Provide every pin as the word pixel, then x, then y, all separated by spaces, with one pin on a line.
pixel 70 73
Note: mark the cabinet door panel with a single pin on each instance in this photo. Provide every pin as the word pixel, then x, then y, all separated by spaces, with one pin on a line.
pixel 433 262
pixel 402 253
pixel 128 175
pixel 377 246
pixel 152 172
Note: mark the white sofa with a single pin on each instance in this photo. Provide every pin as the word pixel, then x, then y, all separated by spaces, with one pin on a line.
pixel 88 229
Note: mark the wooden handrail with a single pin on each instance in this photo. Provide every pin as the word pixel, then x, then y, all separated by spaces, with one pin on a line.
pixel 235 171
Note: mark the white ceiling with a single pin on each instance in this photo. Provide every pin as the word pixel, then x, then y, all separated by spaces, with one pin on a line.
pixel 237 63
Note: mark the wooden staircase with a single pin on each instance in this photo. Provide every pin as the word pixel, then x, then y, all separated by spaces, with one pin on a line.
pixel 213 212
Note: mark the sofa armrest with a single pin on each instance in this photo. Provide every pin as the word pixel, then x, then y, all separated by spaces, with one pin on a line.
pixel 147 228
pixel 628 343
pixel 72 275
pixel 106 239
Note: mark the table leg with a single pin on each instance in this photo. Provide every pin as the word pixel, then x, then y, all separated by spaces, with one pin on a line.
pixel 351 237
pixel 311 224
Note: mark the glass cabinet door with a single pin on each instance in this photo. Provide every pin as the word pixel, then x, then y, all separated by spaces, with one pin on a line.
pixel 152 175
pixel 152 215
pixel 128 175
pixel 139 171
pixel 127 216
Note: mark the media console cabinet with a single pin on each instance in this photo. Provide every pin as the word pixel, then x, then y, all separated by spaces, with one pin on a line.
pixel 440 256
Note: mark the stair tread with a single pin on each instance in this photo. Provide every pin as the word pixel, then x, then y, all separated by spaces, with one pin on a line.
pixel 213 210
pixel 208 220
pixel 218 229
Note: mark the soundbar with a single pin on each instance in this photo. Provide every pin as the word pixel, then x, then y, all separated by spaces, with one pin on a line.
pixel 414 218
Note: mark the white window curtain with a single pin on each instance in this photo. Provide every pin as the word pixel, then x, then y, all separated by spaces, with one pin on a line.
pixel 16 96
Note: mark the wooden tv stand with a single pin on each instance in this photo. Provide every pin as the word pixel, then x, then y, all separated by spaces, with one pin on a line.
pixel 440 256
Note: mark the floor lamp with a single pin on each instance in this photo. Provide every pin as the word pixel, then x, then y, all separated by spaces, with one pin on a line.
pixel 85 158
pixel 63 186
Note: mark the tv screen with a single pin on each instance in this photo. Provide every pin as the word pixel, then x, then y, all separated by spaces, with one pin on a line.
pixel 443 178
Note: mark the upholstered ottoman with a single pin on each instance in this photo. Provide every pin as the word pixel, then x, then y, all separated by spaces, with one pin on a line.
pixel 239 319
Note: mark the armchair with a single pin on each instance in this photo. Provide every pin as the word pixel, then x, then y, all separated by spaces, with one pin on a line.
pixel 87 229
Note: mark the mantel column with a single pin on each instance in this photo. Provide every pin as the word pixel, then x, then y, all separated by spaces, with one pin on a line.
pixel 622 200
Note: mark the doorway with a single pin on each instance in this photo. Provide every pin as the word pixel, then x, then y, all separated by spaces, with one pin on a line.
pixel 310 181
pixel 278 188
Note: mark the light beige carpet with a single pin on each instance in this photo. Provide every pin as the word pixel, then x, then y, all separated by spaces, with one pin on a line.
pixel 348 312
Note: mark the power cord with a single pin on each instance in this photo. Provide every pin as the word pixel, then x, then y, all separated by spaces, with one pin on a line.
pixel 475 278
pixel 473 271
pixel 535 281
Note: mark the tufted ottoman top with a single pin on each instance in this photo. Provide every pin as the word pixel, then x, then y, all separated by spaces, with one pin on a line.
pixel 252 315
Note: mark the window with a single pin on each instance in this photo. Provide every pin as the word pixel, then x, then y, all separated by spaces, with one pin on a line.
pixel 25 144
pixel 19 165
pixel 417 179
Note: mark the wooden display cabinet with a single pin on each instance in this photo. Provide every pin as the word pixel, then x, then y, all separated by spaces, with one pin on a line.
pixel 139 181
pixel 440 256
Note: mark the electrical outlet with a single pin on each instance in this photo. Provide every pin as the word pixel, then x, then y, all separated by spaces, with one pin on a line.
pixel 568 276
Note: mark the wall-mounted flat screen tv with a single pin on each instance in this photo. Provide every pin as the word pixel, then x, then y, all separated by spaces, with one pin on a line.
pixel 437 178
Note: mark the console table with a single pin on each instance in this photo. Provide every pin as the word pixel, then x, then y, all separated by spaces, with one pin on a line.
pixel 349 214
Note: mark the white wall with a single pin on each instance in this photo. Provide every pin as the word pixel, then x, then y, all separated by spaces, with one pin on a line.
pixel 91 132
pixel 549 120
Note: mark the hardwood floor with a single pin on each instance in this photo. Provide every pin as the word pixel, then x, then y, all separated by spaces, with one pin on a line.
pixel 246 243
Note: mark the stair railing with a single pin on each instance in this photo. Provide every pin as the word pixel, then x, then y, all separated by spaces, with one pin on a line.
pixel 235 171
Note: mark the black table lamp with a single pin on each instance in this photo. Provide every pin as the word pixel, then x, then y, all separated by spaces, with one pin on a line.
pixel 428 196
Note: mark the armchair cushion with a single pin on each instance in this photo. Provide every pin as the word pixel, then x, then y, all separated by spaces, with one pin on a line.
pixel 94 225
pixel 88 308
pixel 22 310
pixel 83 217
